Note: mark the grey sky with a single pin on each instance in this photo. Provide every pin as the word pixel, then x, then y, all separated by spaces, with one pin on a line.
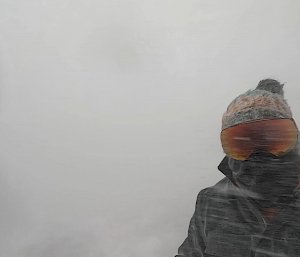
pixel 110 114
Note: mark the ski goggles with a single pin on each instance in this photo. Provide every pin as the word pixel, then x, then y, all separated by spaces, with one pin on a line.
pixel 275 136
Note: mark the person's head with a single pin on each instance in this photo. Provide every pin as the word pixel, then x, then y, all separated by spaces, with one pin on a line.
pixel 260 138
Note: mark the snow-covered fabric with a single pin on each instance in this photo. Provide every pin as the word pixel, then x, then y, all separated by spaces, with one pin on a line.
pixel 265 102
pixel 227 222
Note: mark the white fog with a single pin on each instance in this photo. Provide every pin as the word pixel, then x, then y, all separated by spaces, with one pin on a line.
pixel 110 115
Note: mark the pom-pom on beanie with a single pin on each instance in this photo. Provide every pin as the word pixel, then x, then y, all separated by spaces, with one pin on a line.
pixel 265 102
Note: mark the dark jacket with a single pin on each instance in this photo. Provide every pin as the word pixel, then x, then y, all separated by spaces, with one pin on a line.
pixel 227 223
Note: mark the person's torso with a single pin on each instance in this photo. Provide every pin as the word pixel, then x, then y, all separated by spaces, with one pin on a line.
pixel 234 227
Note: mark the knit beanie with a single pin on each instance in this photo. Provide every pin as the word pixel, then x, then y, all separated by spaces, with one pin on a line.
pixel 265 102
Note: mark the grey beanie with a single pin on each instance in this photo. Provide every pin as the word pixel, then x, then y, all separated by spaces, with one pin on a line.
pixel 265 102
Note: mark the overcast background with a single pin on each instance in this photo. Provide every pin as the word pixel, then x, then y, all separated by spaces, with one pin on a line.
pixel 110 114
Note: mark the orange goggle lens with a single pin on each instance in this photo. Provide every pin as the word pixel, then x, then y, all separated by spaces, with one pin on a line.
pixel 277 136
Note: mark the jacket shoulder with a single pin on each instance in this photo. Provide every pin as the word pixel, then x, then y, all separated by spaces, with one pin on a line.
pixel 223 188
pixel 216 197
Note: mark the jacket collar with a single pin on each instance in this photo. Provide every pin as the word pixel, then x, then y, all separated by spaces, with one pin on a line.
pixel 225 169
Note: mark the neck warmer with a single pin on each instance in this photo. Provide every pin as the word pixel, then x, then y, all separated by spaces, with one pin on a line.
pixel 270 181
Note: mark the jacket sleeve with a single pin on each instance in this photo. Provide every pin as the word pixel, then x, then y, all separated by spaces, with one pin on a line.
pixel 195 243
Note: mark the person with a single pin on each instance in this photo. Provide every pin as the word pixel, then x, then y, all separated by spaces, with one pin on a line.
pixel 254 211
